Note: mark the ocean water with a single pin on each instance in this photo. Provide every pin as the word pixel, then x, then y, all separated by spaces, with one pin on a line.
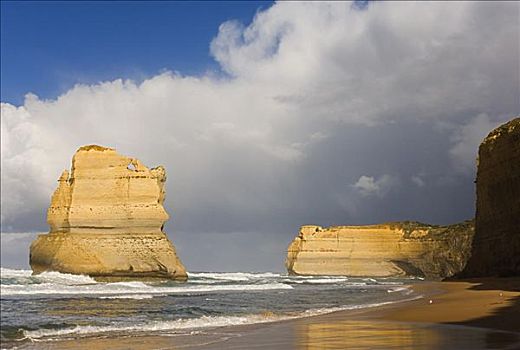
pixel 54 306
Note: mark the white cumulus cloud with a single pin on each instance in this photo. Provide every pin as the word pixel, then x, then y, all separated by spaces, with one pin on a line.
pixel 369 186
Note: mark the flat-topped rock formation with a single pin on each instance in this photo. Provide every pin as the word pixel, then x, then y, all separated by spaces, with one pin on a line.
pixel 106 219
pixel 496 246
pixel 392 249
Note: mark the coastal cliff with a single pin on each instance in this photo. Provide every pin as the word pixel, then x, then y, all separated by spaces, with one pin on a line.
pixel 392 249
pixel 106 219
pixel 496 246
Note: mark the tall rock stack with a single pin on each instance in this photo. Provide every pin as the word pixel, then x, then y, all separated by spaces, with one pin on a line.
pixel 496 245
pixel 106 219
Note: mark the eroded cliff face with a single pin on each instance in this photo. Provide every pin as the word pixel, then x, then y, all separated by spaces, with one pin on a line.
pixel 106 220
pixel 393 249
pixel 496 246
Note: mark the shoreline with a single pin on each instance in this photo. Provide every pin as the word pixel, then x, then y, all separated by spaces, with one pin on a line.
pixel 477 313
pixel 492 303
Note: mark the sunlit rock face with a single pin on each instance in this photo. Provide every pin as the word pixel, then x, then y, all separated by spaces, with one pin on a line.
pixel 386 250
pixel 106 219
pixel 496 247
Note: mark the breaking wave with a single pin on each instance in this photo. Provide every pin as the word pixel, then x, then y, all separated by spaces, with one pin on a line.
pixel 26 277
pixel 188 324
pixel 23 283
pixel 232 276
pixel 126 287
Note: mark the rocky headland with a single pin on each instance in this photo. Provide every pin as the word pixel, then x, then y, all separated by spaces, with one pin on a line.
pixel 386 250
pixel 496 245
pixel 487 246
pixel 106 219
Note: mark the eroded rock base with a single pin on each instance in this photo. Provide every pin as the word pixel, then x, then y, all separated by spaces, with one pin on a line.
pixel 107 255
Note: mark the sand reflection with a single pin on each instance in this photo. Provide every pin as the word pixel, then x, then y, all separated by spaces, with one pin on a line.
pixel 392 335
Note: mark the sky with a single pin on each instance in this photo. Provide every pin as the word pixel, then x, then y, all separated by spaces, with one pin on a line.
pixel 48 46
pixel 266 116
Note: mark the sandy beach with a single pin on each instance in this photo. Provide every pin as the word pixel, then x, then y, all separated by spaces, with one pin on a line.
pixel 474 314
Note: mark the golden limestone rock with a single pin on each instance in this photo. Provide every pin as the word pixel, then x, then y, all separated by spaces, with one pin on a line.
pixel 106 219
pixel 496 246
pixel 386 250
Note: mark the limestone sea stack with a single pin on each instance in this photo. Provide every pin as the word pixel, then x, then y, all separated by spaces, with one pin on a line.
pixel 106 219
pixel 386 250
pixel 496 246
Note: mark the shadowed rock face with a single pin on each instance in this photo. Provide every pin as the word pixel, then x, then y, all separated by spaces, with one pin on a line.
pixel 496 246
pixel 106 220
pixel 392 249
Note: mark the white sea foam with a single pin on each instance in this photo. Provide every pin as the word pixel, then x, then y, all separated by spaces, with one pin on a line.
pixel 301 277
pixel 322 281
pixel 26 276
pixel 22 282
pixel 194 277
pixel 405 290
pixel 188 324
pixel 219 277
pixel 390 283
pixel 129 284
pixel 233 276
pixel 128 288
pixel 347 281
pixel 64 278
pixel 12 273
pixel 179 324
pixel 131 296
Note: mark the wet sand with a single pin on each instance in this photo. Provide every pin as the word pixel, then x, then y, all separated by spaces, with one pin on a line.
pixel 475 314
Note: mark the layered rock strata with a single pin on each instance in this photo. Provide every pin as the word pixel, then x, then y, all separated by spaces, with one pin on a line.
pixel 386 250
pixel 496 246
pixel 106 219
